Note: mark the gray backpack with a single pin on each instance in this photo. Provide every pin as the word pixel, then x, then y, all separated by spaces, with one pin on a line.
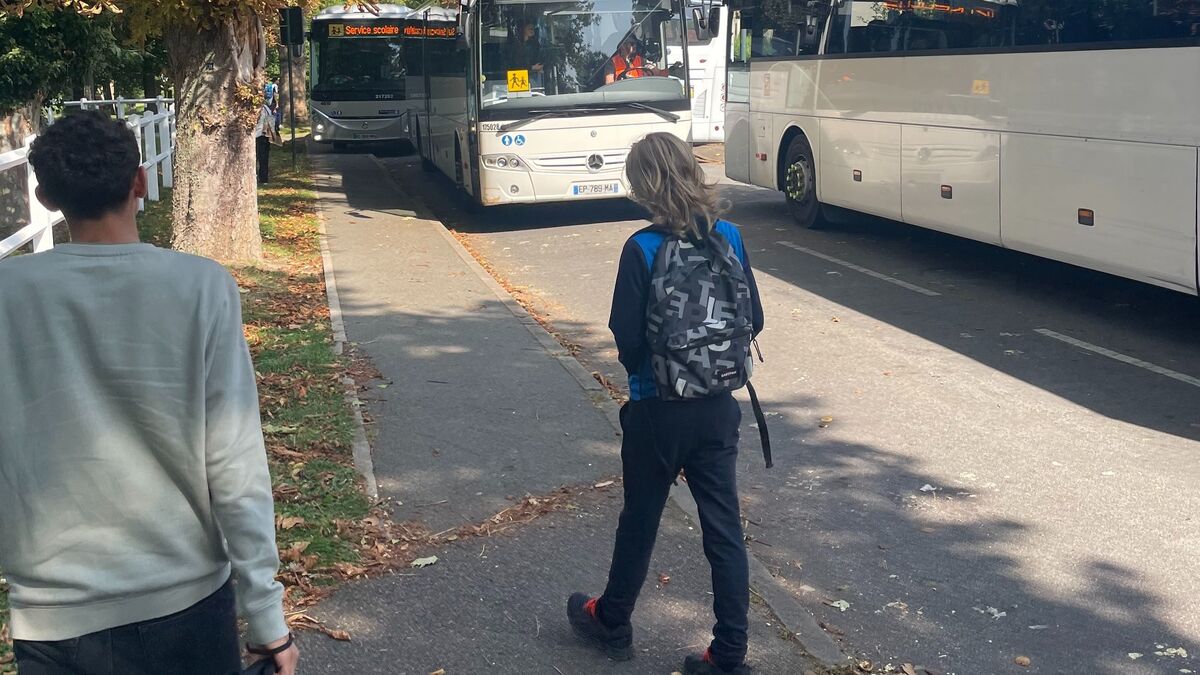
pixel 700 322
pixel 699 319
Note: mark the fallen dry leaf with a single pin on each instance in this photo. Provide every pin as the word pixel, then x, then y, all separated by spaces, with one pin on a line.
pixel 603 484
pixel 825 422
pixel 664 579
pixel 439 671
pixel 908 669
pixel 1023 661
pixel 425 562
pixel 287 523
pixel 866 666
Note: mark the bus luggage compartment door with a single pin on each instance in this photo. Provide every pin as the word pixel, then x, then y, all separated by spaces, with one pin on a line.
pixel 1124 208
pixel 952 181
pixel 860 166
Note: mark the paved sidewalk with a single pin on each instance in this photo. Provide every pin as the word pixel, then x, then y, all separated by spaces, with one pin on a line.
pixel 477 410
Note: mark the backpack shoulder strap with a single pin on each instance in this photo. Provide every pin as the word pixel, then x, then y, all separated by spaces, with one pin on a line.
pixel 649 241
pixel 761 418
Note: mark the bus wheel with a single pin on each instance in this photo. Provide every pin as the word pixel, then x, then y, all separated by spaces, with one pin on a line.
pixel 800 185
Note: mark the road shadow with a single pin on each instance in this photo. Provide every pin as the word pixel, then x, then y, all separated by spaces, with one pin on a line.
pixel 934 576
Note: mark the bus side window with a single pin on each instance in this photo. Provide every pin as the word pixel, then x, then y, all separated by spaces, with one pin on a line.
pixel 778 33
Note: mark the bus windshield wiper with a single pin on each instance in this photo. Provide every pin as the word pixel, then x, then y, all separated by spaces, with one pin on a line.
pixel 516 124
pixel 665 114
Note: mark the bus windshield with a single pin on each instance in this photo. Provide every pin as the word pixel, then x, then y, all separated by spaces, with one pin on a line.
pixel 358 66
pixel 578 53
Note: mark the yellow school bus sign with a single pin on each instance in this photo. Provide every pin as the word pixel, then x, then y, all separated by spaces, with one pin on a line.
pixel 518 80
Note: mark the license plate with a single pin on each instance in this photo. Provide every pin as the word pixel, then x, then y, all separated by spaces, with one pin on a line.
pixel 365 137
pixel 597 188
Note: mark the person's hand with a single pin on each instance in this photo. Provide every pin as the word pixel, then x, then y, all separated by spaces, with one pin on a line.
pixel 285 661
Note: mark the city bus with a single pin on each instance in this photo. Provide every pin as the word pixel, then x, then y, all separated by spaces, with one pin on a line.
pixel 360 66
pixel 533 103
pixel 707 39
pixel 1067 129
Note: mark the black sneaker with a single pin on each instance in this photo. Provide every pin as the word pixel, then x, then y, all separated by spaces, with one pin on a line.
pixel 616 643
pixel 701 664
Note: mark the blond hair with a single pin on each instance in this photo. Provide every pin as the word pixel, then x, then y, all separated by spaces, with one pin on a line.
pixel 665 177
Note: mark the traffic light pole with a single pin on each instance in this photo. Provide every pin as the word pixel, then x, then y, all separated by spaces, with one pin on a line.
pixel 292 104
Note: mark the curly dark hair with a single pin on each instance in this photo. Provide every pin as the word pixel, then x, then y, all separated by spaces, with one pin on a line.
pixel 85 164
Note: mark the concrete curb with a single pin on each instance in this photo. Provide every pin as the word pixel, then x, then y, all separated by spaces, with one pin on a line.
pixel 360 446
pixel 794 617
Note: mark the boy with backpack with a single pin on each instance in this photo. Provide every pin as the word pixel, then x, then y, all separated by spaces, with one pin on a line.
pixel 685 311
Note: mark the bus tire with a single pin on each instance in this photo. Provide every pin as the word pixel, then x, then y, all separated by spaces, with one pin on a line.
pixel 799 184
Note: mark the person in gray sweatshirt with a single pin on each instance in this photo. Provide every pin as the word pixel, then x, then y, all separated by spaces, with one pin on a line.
pixel 136 516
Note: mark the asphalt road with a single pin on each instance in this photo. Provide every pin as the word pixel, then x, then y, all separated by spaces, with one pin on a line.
pixel 1011 465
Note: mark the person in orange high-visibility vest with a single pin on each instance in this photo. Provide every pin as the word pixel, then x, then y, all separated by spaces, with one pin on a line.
pixel 628 63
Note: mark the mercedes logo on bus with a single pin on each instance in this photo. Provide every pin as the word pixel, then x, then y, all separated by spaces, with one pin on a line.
pixel 595 163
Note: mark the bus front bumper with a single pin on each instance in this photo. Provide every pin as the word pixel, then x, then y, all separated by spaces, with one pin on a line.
pixel 363 129
pixel 529 184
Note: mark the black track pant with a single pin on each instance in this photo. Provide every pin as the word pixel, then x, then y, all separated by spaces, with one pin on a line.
pixel 700 436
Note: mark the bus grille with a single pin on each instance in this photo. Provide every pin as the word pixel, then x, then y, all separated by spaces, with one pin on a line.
pixel 575 162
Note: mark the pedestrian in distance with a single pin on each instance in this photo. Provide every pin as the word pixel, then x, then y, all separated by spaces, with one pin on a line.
pixel 265 136
pixel 685 310
pixel 271 99
pixel 136 515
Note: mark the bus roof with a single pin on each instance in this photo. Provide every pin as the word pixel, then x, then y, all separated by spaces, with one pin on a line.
pixel 385 12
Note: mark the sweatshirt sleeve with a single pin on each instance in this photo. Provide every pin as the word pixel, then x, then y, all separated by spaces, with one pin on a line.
pixel 238 479
pixel 628 317
pixel 755 300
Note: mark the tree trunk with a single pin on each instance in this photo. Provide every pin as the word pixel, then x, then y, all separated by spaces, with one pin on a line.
pixel 217 97
pixel 150 85
pixel 299 97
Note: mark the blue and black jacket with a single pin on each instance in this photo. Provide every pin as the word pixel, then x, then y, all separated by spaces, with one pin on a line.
pixel 628 318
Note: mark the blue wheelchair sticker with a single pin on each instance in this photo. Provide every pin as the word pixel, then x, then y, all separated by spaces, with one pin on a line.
pixel 506 140
pixel 519 139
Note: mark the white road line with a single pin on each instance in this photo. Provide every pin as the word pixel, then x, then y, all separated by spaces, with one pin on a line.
pixel 858 268
pixel 1146 365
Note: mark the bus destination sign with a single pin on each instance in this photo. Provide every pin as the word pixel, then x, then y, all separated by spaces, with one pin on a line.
pixel 431 31
pixel 345 30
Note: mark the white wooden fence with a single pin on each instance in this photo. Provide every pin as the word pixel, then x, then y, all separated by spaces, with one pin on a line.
pixel 155 133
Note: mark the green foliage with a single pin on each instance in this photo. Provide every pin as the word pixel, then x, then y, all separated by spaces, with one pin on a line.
pixel 48 54
pixel 32 51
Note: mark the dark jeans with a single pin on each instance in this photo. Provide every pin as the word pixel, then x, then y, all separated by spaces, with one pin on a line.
pixel 700 436
pixel 200 640
pixel 262 152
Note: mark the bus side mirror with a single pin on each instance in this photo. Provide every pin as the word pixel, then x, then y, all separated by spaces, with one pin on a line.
pixel 714 20
pixel 810 33
pixel 700 21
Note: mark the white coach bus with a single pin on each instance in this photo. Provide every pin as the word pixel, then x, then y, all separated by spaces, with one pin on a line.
pixel 361 65
pixel 1062 128
pixel 540 100
pixel 707 39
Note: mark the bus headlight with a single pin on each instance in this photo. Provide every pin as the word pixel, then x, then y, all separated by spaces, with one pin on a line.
pixel 509 162
pixel 320 126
